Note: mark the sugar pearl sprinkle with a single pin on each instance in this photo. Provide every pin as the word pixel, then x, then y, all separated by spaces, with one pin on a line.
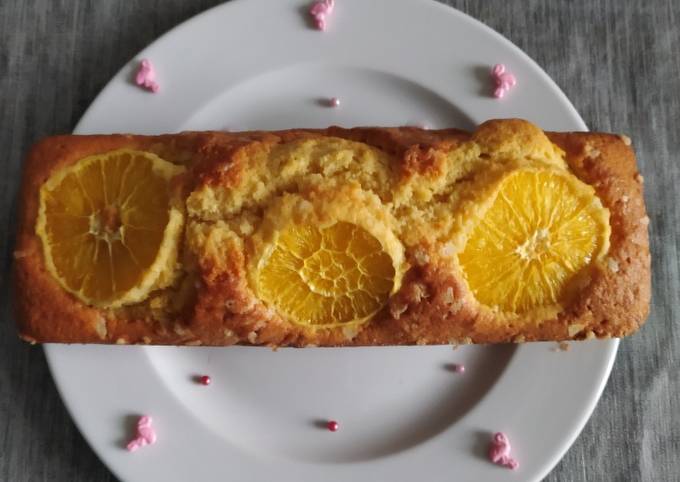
pixel 204 380
pixel 333 102
pixel 499 451
pixel 146 76
pixel 320 11
pixel 333 426
pixel 503 80
pixel 459 368
pixel 145 435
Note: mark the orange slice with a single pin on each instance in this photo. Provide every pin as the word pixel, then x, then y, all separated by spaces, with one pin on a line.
pixel 542 229
pixel 108 229
pixel 326 276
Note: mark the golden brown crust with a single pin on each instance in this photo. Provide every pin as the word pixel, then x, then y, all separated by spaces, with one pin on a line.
pixel 430 307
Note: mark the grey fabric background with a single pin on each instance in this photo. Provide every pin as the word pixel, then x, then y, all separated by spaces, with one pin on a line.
pixel 619 63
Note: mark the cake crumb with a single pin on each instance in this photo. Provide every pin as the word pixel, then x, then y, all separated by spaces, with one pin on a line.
pixel 179 330
pixel 252 337
pixel 447 250
pixel 305 207
pixel 121 341
pixel 418 292
pixel 448 295
pixel 397 309
pixel 421 257
pixel 235 306
pixel 626 140
pixel 613 265
pixel 246 228
pixel 591 152
pixel 350 332
pixel 100 327
pixel 574 329
pixel 453 305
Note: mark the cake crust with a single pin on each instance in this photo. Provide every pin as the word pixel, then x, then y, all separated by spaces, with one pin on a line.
pixel 433 305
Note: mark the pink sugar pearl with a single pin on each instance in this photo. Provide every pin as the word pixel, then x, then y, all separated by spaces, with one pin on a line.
pixel 333 426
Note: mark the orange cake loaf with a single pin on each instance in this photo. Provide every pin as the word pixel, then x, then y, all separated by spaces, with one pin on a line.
pixel 332 237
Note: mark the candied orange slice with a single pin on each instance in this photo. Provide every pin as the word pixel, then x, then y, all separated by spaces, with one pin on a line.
pixel 108 229
pixel 326 276
pixel 541 230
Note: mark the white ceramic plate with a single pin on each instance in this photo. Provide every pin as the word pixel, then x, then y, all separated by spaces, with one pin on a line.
pixel 257 64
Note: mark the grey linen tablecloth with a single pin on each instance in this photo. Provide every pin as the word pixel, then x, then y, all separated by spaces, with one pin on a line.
pixel 619 63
